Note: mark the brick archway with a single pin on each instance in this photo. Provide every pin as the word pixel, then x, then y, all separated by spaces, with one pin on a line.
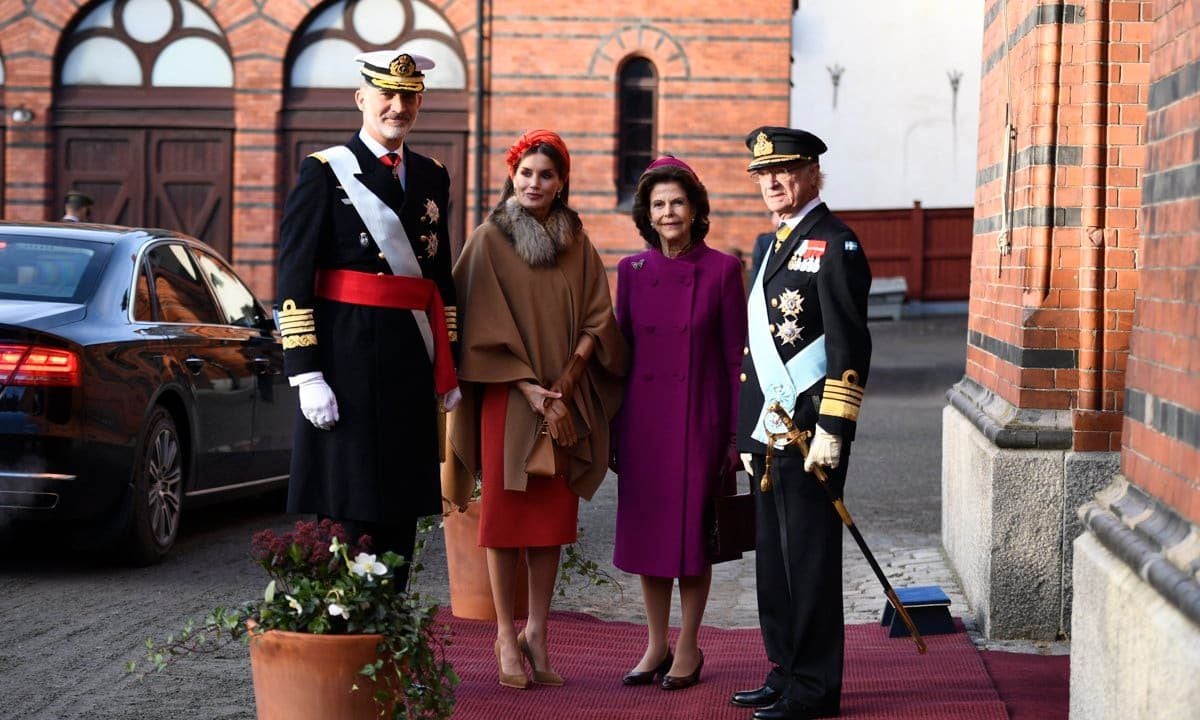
pixel 650 41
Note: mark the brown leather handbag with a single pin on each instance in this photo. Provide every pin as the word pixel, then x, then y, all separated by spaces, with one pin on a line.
pixel 546 458
pixel 729 524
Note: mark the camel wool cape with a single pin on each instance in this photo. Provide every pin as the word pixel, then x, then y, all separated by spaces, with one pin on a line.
pixel 518 322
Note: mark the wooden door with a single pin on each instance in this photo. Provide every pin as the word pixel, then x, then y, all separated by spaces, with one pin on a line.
pixel 179 180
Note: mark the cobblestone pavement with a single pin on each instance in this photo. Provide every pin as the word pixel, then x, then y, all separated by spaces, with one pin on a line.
pixel 893 493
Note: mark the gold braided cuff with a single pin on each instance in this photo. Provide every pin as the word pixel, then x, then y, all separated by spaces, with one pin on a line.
pixel 452 322
pixel 296 325
pixel 842 398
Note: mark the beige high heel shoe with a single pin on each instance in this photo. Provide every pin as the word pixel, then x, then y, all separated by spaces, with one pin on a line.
pixel 520 680
pixel 541 677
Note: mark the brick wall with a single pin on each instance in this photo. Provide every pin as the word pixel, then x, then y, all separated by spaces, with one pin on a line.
pixel 723 69
pixel 1162 421
pixel 1054 259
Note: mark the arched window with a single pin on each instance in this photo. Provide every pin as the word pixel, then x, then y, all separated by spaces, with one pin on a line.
pixel 143 116
pixel 321 55
pixel 147 43
pixel 637 110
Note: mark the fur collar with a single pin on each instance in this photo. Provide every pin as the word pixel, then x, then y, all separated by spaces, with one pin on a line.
pixel 538 244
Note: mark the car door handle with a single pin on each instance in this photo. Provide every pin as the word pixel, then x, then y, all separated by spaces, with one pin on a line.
pixel 194 364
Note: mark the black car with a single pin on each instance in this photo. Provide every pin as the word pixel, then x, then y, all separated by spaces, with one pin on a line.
pixel 137 373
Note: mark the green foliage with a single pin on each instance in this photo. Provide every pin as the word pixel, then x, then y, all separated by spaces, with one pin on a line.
pixel 575 564
pixel 321 584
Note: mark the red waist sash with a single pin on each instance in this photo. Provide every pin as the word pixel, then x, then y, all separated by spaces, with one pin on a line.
pixel 403 293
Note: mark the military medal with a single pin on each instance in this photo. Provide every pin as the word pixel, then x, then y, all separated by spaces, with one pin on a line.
pixel 791 303
pixel 788 332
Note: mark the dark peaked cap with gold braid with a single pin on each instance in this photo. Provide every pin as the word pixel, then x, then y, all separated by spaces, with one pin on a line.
pixel 780 145
pixel 395 70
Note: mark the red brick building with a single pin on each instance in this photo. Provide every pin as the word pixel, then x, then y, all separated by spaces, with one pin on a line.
pixel 1071 495
pixel 193 114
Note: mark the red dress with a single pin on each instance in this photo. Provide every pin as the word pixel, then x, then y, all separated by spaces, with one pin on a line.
pixel 545 514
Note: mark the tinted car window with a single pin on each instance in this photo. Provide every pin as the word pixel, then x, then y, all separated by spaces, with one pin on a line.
pixel 236 301
pixel 53 269
pixel 143 310
pixel 182 295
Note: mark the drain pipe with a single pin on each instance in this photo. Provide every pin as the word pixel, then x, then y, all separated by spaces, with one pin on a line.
pixel 1094 213
pixel 1037 279
pixel 480 142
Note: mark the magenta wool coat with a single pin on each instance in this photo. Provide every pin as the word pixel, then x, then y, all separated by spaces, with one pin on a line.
pixel 685 320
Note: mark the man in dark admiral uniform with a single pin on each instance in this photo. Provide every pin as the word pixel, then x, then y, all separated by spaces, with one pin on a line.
pixel 810 350
pixel 367 314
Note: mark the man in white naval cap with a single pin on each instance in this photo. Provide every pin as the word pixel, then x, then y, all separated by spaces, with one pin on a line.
pixel 367 314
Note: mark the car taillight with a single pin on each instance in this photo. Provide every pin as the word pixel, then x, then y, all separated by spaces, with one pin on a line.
pixel 26 365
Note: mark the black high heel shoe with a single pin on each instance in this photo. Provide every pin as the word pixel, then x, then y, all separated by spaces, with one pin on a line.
pixel 670 682
pixel 647 677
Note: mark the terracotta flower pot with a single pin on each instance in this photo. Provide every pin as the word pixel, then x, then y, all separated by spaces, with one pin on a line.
pixel 301 676
pixel 470 588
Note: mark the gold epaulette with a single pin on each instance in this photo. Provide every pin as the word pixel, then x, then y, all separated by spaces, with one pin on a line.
pixel 320 157
pixel 842 398
pixel 452 322
pixel 296 325
pixel 437 162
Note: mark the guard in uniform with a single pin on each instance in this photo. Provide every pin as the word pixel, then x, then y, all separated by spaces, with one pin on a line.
pixel 810 350
pixel 367 314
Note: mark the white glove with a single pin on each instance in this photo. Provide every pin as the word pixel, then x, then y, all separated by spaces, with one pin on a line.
pixel 825 450
pixel 317 401
pixel 746 457
pixel 451 400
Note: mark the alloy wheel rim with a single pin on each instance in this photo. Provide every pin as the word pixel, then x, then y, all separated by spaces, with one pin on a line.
pixel 164 473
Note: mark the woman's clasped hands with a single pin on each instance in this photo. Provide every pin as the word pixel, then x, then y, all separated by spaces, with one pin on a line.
pixel 550 405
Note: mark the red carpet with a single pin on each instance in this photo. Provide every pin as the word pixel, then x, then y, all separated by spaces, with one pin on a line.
pixel 1034 687
pixel 885 679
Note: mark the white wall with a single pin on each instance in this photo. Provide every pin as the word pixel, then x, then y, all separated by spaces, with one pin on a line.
pixel 892 138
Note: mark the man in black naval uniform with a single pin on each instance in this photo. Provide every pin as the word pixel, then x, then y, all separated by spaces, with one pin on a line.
pixel 367 314
pixel 810 350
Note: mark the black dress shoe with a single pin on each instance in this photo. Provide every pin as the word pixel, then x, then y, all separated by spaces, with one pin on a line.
pixel 758 698
pixel 789 709
pixel 670 682
pixel 646 677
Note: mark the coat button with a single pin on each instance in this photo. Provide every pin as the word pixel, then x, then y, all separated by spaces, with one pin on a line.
pixel 771 328
pixel 774 301
pixel 382 256
pixel 653 282
pixel 648 376
pixel 683 329
pixel 649 329
pixel 745 351
pixel 742 377
pixel 378 273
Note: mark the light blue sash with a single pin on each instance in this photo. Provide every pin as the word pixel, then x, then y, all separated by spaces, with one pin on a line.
pixel 779 382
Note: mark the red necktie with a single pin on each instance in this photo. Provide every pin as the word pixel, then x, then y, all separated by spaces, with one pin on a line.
pixel 392 160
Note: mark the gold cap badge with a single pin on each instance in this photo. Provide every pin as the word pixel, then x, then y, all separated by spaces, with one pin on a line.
pixel 763 145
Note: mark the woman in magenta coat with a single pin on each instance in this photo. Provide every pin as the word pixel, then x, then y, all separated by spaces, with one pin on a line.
pixel 681 306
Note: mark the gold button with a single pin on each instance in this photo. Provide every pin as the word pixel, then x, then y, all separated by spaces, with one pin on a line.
pixel 770 328
pixel 742 377
pixel 745 351
pixel 378 273
pixel 382 257
pixel 774 301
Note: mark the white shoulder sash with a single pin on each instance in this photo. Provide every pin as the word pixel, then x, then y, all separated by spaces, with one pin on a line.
pixel 384 225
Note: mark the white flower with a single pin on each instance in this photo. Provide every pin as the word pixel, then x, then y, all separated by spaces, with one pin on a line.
pixel 295 605
pixel 336 610
pixel 367 565
pixel 334 546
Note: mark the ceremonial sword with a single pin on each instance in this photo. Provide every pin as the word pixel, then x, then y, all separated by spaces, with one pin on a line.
pixel 799 438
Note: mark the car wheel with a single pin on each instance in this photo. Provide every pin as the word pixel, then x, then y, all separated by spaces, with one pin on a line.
pixel 157 489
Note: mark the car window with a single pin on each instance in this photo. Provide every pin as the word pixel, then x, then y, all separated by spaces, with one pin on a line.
pixel 236 301
pixel 182 294
pixel 143 309
pixel 47 268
